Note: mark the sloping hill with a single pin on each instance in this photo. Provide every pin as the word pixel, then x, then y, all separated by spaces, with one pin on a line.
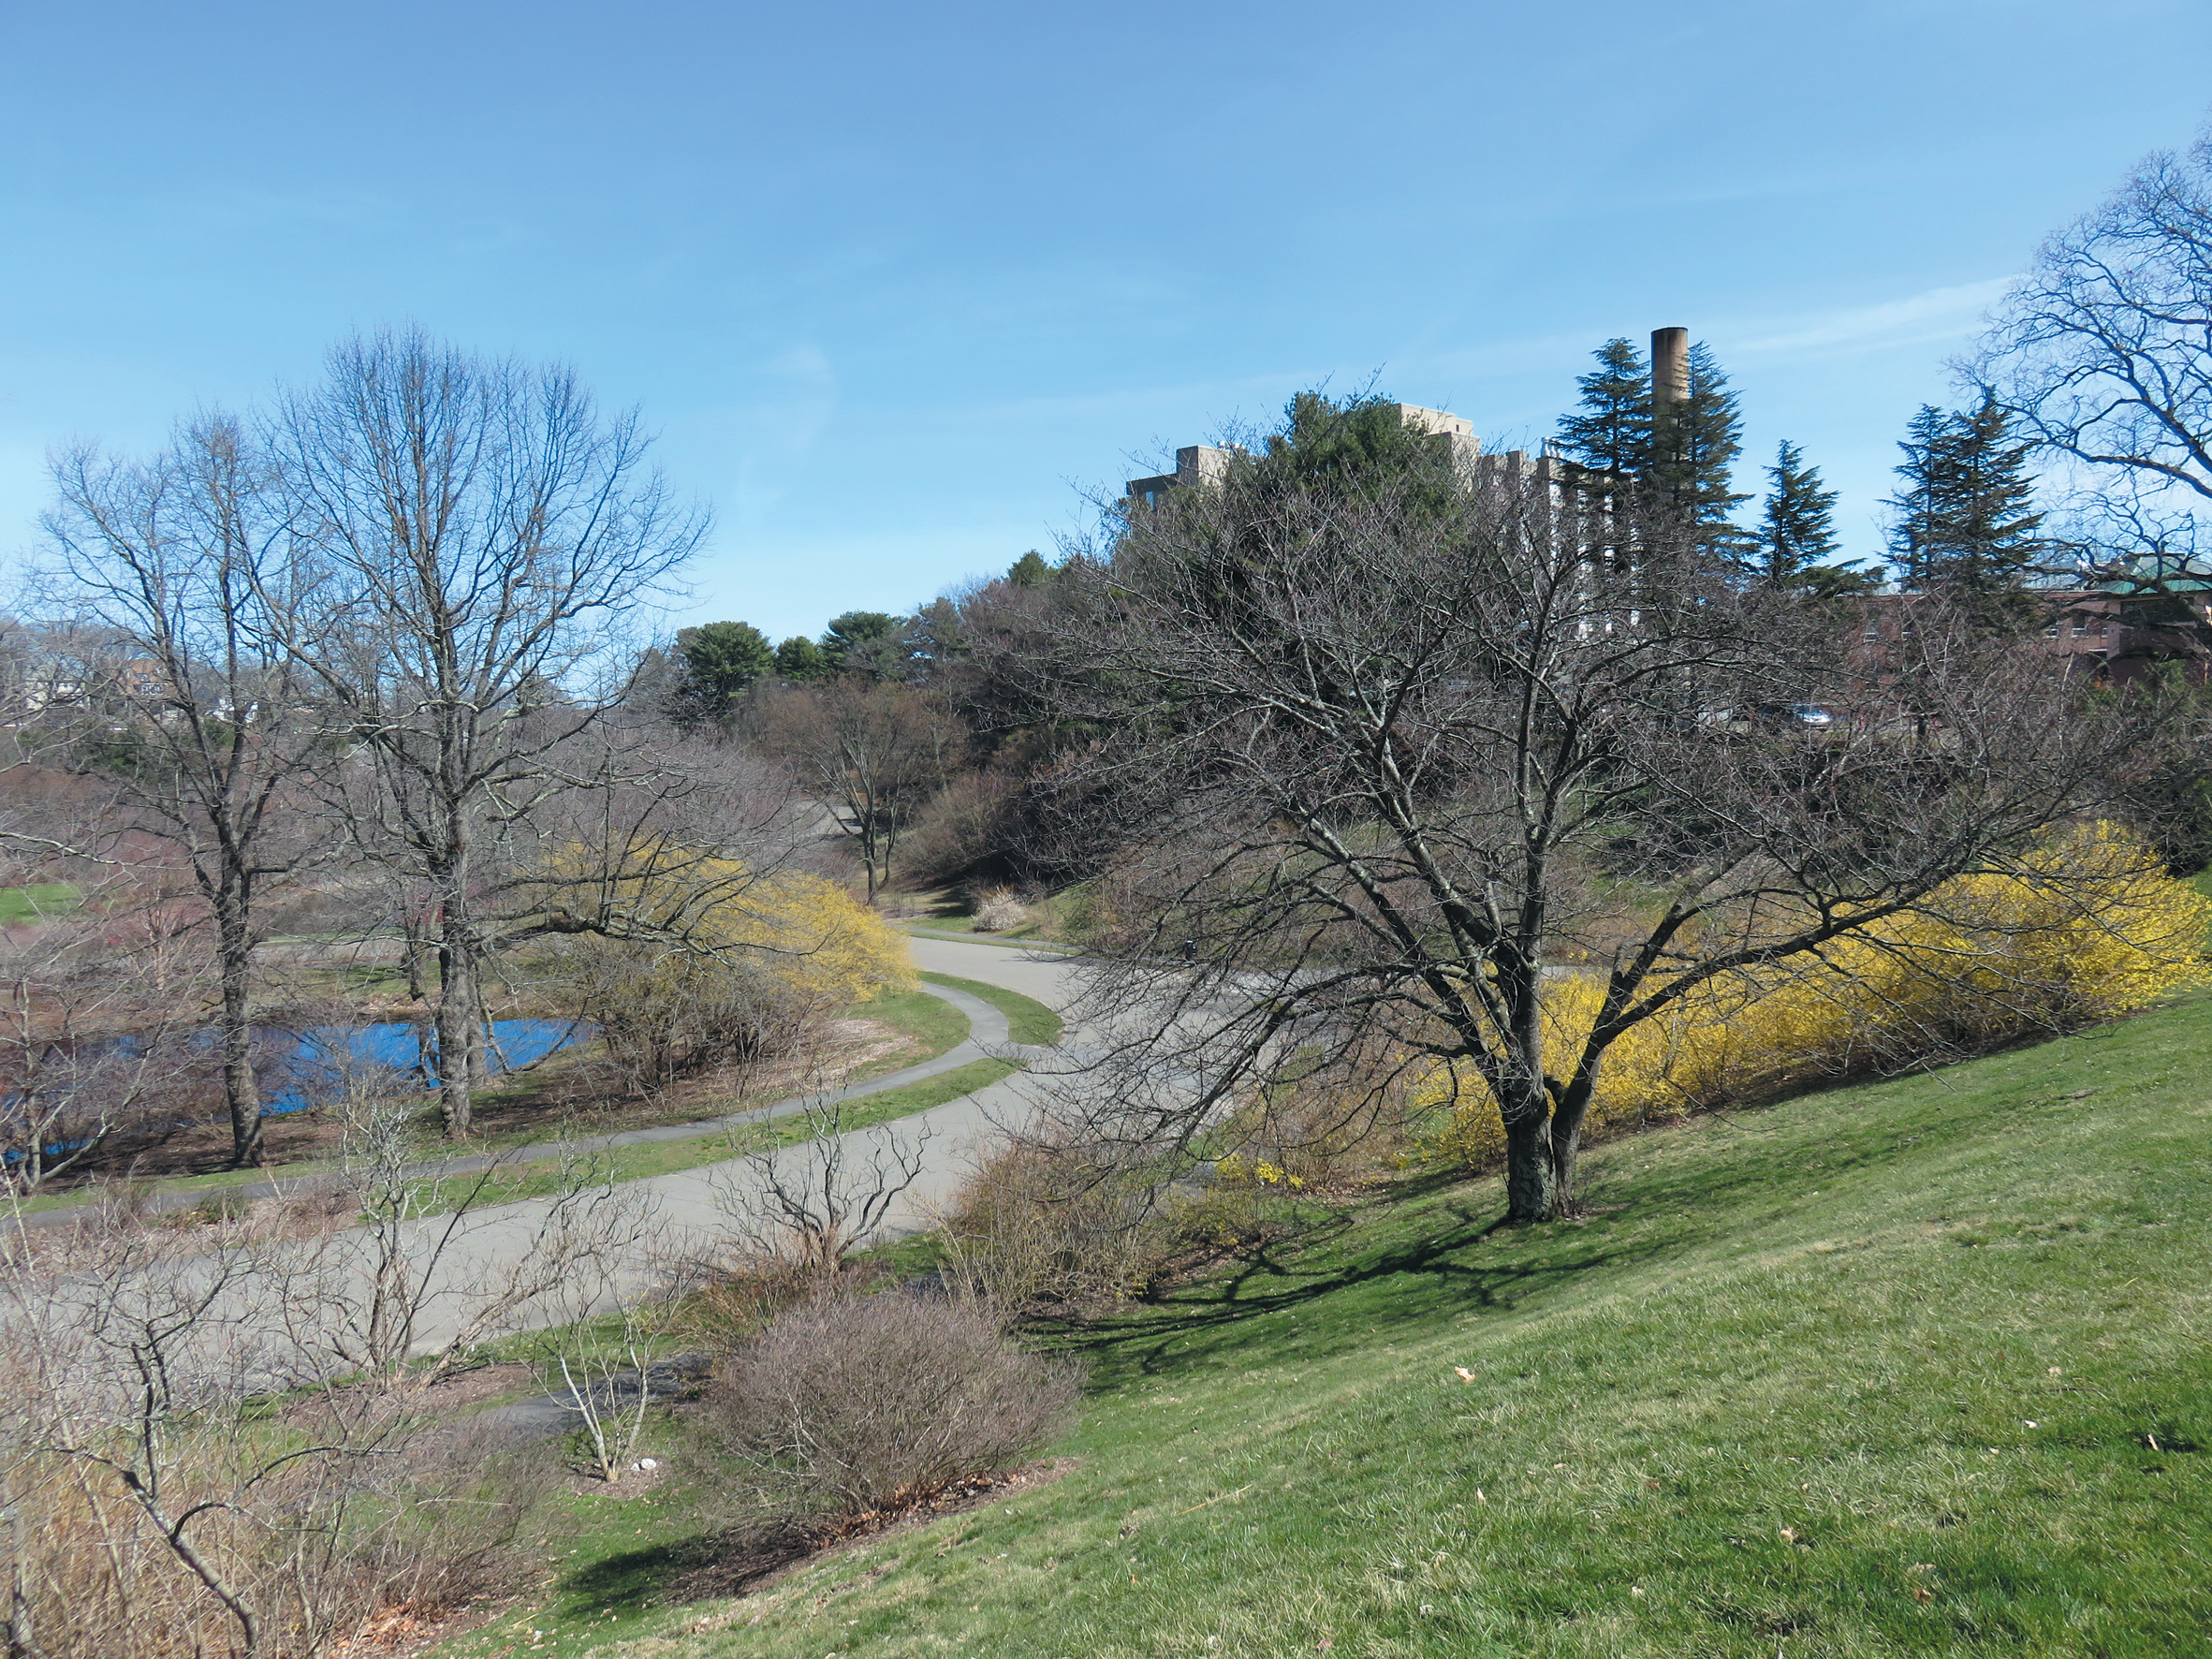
pixel 1923 1366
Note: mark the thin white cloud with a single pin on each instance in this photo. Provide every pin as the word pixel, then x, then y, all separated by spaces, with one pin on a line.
pixel 1939 314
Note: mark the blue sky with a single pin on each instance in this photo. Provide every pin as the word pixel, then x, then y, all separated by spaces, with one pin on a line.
pixel 895 283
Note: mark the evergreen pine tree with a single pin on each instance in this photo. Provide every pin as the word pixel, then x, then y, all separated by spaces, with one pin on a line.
pixel 1922 508
pixel 1798 530
pixel 858 641
pixel 1694 444
pixel 718 663
pixel 1030 570
pixel 800 659
pixel 1613 433
pixel 1963 523
pixel 1994 547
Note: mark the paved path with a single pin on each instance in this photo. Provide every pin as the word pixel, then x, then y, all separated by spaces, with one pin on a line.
pixel 691 1205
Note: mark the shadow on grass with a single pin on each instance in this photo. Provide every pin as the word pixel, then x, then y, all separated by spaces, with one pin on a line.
pixel 1272 1278
pixel 1783 1149
pixel 638 1579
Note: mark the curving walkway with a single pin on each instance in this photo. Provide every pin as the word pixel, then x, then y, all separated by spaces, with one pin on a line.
pixel 692 1203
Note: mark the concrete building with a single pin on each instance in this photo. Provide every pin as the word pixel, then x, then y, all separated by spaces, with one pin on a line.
pixel 1208 463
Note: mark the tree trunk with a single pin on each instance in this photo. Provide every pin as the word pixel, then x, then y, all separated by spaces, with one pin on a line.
pixel 1566 1134
pixel 479 1065
pixel 1529 1172
pixel 457 1014
pixel 240 1090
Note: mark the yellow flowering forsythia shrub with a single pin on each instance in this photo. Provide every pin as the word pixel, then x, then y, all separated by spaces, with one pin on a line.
pixel 2091 928
pixel 744 964
pixel 1234 1171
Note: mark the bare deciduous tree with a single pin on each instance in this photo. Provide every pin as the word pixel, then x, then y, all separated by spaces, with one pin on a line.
pixel 2102 352
pixel 874 753
pixel 481 533
pixel 181 577
pixel 1379 750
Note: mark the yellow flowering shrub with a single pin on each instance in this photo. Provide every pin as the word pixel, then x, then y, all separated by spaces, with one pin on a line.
pixel 2089 928
pixel 1234 1171
pixel 733 965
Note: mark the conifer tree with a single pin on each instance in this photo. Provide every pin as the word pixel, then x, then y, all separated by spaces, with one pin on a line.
pixel 1994 546
pixel 718 662
pixel 1922 507
pixel 1798 530
pixel 1694 444
pixel 800 659
pixel 1613 433
pixel 1963 523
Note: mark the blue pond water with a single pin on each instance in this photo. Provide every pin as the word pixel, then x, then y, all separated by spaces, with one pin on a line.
pixel 310 1074
pixel 300 1070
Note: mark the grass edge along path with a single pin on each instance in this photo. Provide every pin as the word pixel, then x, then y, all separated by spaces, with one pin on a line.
pixel 1031 1023
pixel 1915 1367
pixel 643 1162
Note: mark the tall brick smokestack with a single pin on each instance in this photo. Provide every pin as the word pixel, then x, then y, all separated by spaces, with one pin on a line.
pixel 1670 368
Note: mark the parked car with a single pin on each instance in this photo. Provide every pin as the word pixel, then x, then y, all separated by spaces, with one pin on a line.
pixel 1801 716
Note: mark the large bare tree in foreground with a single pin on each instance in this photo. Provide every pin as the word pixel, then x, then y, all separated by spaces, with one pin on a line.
pixel 1382 744
pixel 482 532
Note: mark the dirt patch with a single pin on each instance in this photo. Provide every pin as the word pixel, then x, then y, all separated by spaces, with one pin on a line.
pixel 635 1482
pixel 407 1633
pixel 746 1564
pixel 464 1389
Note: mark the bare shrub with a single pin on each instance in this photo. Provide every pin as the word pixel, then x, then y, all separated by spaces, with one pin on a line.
pixel 611 1319
pixel 721 1297
pixel 316 1549
pixel 997 911
pixel 176 1486
pixel 809 1207
pixel 1040 1221
pixel 847 1406
pixel 98 1013
pixel 1316 1131
pixel 663 1012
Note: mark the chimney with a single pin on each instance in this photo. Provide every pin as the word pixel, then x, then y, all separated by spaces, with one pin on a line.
pixel 1670 368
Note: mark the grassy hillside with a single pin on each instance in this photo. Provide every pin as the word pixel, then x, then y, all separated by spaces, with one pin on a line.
pixel 1924 1367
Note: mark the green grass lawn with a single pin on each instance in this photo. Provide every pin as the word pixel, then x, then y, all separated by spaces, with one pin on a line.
pixel 930 1021
pixel 1028 1020
pixel 1875 1372
pixel 40 899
